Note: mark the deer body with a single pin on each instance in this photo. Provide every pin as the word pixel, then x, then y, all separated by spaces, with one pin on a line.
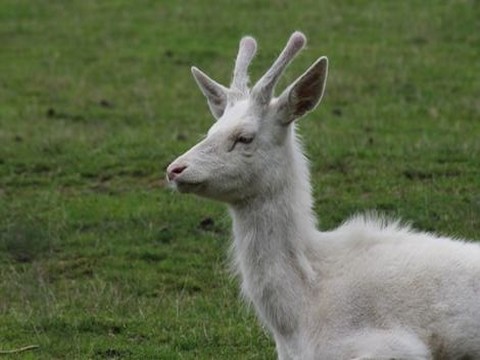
pixel 367 290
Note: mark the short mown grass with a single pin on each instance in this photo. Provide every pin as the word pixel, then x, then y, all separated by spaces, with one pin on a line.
pixel 98 260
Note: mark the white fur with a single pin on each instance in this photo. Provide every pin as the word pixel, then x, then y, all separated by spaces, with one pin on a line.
pixel 371 289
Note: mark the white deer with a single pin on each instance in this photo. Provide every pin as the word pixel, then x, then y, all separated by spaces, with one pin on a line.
pixel 371 289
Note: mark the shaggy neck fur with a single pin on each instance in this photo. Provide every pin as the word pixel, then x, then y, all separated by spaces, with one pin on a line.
pixel 272 238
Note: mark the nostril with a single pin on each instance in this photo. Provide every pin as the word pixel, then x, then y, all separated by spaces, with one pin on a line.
pixel 177 170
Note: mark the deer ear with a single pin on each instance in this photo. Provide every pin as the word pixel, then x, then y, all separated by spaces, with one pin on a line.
pixel 215 93
pixel 304 94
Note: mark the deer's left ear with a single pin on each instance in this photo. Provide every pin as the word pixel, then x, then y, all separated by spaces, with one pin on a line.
pixel 304 94
pixel 215 93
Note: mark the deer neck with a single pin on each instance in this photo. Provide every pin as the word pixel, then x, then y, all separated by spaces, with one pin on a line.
pixel 272 238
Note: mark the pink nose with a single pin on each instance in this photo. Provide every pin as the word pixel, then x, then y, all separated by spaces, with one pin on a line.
pixel 173 173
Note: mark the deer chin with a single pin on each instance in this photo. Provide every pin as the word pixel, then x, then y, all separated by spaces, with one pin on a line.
pixel 204 189
pixel 189 186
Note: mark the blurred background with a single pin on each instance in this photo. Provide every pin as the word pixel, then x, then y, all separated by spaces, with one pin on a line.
pixel 98 259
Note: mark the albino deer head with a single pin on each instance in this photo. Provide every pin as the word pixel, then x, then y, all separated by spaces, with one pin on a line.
pixel 248 149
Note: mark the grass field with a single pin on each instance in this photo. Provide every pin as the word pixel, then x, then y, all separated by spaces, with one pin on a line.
pixel 98 260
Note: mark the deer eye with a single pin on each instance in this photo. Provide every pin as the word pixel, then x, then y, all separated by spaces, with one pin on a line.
pixel 244 139
pixel 241 139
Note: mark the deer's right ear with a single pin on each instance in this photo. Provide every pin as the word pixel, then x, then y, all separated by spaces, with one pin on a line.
pixel 215 93
pixel 305 93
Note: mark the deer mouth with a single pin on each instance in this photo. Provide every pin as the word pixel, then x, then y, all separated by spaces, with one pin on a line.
pixel 187 186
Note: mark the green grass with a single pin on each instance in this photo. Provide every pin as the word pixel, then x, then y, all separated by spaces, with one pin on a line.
pixel 98 260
